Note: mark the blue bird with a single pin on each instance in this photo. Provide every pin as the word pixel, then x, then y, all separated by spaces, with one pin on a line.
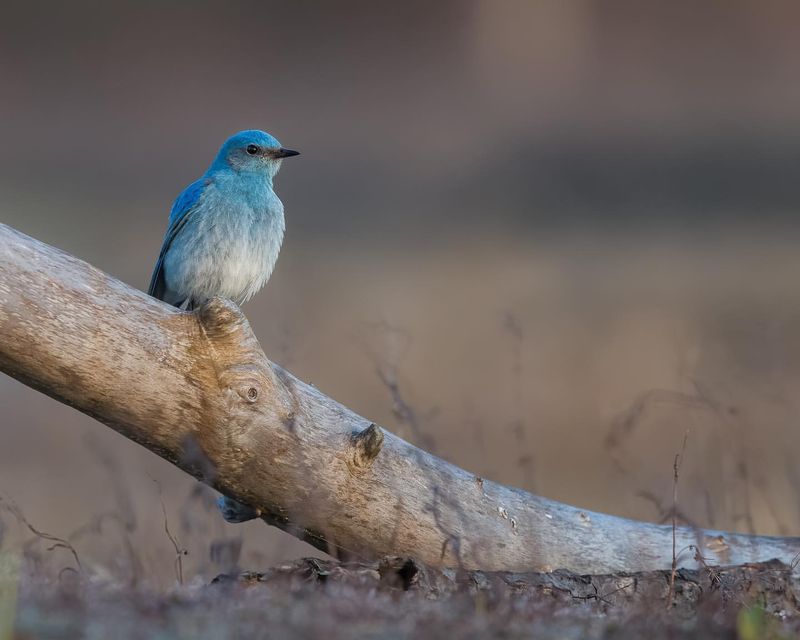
pixel 223 238
pixel 225 230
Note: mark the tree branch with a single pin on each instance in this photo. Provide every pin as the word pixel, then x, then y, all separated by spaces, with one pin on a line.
pixel 197 389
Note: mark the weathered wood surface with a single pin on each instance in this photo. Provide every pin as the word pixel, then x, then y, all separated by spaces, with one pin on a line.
pixel 197 389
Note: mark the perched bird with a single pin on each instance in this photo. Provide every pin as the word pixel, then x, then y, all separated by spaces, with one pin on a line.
pixel 224 234
pixel 225 230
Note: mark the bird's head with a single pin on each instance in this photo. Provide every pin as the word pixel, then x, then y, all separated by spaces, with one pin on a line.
pixel 252 151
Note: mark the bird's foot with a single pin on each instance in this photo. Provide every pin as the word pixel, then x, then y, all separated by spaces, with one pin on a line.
pixel 234 511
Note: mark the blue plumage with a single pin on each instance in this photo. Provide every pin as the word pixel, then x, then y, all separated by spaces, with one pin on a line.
pixel 225 230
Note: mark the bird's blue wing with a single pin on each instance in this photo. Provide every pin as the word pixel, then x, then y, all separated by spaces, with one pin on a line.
pixel 184 206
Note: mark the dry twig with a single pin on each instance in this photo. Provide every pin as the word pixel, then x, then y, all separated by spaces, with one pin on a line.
pixel 676 465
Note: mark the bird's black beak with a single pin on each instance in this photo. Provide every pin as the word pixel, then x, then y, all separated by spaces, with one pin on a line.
pixel 286 153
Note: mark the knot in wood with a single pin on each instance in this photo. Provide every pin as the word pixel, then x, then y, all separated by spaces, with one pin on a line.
pixel 246 380
pixel 220 317
pixel 366 445
pixel 249 391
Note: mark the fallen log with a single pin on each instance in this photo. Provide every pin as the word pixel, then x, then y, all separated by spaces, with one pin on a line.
pixel 197 389
pixel 772 585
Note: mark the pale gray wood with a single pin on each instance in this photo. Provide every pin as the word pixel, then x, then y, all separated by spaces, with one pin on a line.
pixel 197 389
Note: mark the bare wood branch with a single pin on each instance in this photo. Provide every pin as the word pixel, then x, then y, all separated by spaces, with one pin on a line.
pixel 198 390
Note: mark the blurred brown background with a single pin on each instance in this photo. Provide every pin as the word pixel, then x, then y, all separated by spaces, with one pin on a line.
pixel 568 228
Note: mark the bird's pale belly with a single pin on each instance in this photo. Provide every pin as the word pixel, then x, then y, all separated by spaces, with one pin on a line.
pixel 237 265
pixel 242 273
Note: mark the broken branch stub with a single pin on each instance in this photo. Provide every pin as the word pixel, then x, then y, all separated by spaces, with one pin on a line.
pixel 366 445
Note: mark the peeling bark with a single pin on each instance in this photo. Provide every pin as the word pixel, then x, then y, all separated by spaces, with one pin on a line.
pixel 197 389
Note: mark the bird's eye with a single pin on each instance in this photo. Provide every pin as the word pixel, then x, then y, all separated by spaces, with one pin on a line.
pixel 252 149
